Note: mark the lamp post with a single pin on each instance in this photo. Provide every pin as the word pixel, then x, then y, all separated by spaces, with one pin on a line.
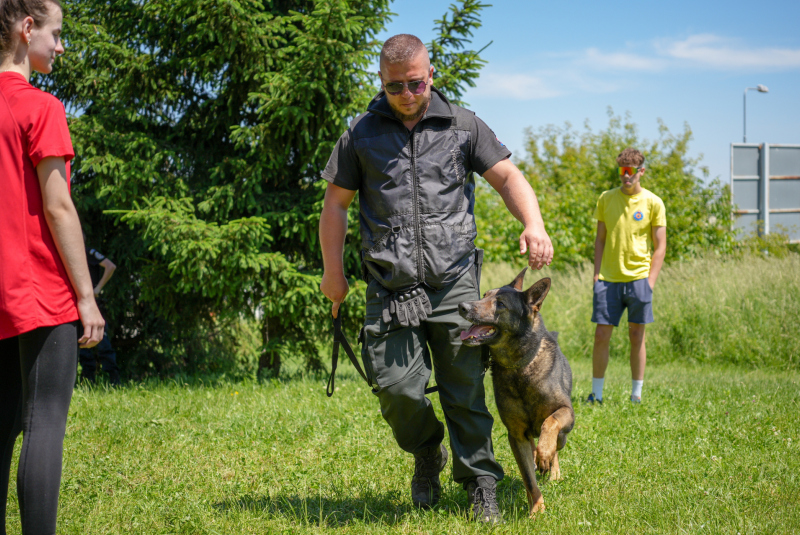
pixel 761 89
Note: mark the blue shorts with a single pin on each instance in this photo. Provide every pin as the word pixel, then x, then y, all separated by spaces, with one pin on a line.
pixel 611 298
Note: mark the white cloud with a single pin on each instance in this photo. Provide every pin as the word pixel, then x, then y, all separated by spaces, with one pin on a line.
pixel 596 71
pixel 621 61
pixel 720 53
pixel 540 84
pixel 515 86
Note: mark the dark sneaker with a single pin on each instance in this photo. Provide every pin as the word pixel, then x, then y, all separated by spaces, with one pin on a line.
pixel 425 486
pixel 482 497
pixel 591 399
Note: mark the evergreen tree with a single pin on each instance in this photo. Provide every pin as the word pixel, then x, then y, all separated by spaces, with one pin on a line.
pixel 201 128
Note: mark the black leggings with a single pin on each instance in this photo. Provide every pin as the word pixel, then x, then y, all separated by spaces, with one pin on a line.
pixel 37 374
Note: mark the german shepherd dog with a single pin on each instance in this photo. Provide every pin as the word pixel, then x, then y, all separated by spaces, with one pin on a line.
pixel 531 377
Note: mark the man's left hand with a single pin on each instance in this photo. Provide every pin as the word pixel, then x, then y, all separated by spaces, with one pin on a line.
pixel 537 244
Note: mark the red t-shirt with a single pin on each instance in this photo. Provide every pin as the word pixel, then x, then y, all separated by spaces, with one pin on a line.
pixel 34 287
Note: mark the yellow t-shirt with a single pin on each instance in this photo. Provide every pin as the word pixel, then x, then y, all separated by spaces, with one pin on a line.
pixel 629 223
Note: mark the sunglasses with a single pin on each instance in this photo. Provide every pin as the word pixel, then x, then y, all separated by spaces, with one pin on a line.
pixel 416 87
pixel 629 170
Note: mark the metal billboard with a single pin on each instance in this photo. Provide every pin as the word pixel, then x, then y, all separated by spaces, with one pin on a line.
pixel 765 188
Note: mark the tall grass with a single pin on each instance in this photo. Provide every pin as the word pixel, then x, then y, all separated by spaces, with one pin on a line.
pixel 742 311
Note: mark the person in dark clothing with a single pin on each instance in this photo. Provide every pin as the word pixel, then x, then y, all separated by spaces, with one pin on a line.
pixel 101 269
pixel 411 157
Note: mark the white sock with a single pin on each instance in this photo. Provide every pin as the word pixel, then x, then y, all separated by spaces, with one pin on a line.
pixel 597 387
pixel 636 391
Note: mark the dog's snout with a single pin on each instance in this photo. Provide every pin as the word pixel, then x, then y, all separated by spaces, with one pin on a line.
pixel 464 308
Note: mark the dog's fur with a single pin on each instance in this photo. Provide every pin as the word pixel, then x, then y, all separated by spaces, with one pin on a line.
pixel 532 378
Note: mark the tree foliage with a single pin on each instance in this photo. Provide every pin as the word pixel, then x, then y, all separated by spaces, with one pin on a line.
pixel 201 128
pixel 569 170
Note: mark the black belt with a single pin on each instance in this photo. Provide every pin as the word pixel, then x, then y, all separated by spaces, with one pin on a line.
pixel 340 338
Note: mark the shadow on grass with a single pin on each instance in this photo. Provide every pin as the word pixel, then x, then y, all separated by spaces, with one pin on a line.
pixel 389 508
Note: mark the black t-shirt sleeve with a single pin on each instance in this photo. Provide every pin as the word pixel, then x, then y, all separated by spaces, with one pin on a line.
pixel 93 257
pixel 343 168
pixel 487 150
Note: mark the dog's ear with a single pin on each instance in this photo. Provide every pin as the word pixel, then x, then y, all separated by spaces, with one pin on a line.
pixel 537 293
pixel 517 283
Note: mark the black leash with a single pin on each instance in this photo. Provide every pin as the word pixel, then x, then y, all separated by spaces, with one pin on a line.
pixel 340 339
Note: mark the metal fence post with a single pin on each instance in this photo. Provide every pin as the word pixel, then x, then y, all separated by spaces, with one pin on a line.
pixel 765 186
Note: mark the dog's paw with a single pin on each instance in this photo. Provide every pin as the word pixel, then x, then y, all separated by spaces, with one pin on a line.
pixel 544 459
pixel 538 507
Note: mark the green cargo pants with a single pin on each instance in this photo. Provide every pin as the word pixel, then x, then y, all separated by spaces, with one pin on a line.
pixel 398 364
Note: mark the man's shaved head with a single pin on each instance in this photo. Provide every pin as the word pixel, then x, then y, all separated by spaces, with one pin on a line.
pixel 401 48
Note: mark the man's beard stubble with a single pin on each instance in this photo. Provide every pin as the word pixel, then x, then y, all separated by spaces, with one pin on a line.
pixel 417 114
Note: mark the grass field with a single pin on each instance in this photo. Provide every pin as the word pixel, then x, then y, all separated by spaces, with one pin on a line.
pixel 713 448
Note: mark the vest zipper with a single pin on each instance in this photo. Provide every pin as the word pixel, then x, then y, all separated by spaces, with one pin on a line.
pixel 415 197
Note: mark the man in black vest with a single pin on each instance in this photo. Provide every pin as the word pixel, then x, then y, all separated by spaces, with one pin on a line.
pixel 412 156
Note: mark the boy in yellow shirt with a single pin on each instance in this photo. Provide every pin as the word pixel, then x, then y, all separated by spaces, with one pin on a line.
pixel 630 221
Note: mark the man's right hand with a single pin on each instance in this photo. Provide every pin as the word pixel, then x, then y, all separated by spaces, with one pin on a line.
pixel 335 288
pixel 93 323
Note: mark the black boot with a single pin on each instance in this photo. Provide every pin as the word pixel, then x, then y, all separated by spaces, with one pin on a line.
pixel 482 497
pixel 425 486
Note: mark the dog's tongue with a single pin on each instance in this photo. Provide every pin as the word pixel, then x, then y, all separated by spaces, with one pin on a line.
pixel 475 330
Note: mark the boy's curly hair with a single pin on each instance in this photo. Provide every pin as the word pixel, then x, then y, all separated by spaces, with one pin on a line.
pixel 630 156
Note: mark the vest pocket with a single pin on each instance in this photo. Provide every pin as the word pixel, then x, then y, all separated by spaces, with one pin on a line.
pixel 446 252
pixel 392 259
pixel 442 173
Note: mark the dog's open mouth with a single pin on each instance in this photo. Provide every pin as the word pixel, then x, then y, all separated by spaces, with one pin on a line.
pixel 478 334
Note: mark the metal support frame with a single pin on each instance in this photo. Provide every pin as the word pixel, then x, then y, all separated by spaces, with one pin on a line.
pixel 763 209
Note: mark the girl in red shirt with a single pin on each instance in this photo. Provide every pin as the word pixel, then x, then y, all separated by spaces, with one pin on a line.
pixel 44 279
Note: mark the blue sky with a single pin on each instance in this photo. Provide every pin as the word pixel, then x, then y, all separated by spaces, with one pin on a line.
pixel 680 61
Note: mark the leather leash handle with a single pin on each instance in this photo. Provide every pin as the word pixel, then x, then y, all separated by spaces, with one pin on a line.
pixel 340 339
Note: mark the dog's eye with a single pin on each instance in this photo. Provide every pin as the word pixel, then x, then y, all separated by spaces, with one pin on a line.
pixel 499 304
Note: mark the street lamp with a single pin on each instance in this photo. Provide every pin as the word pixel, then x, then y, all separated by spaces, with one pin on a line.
pixel 761 89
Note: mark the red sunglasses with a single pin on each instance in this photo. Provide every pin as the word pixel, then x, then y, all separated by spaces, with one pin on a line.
pixel 629 170
pixel 416 87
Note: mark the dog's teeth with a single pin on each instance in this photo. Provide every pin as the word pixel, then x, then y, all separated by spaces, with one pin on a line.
pixel 491 331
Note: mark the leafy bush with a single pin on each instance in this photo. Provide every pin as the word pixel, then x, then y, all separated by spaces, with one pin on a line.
pixel 569 171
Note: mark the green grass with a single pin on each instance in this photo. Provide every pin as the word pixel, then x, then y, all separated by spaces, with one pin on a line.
pixel 710 450
pixel 713 448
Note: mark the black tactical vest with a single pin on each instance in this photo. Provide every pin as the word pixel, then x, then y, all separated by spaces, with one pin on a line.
pixel 417 194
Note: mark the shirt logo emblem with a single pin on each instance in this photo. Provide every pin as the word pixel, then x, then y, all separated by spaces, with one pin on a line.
pixel 638 215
